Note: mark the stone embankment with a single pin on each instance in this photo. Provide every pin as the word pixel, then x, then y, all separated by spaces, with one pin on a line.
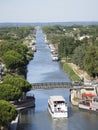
pixel 14 123
pixel 26 103
pixel 76 93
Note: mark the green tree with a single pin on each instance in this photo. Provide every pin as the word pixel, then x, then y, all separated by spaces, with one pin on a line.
pixel 19 82
pixel 91 61
pixel 12 59
pixel 12 45
pixel 9 92
pixel 78 55
pixel 7 113
pixel 66 46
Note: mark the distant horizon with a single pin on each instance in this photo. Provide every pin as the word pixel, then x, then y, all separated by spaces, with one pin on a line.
pixel 51 22
pixel 15 24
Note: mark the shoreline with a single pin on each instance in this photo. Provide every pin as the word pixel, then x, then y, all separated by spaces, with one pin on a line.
pixel 27 103
pixel 74 72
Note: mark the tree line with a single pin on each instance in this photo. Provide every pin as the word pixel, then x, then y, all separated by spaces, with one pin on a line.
pixel 76 43
pixel 15 55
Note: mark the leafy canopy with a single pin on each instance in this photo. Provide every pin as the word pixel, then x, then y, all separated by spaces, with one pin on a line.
pixel 91 60
pixel 9 92
pixel 13 59
pixel 19 82
pixel 7 112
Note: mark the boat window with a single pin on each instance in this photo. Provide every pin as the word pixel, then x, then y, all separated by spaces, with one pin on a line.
pixel 95 99
pixel 55 105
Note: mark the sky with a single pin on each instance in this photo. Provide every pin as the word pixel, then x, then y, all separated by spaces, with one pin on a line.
pixel 48 10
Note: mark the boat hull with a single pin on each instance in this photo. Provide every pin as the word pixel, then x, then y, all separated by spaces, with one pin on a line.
pixel 58 115
pixel 88 107
pixel 57 107
pixel 81 106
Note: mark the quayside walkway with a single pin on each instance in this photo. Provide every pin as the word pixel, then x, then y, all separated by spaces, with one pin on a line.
pixel 51 85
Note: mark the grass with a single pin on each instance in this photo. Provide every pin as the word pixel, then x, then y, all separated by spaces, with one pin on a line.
pixel 76 99
pixel 71 74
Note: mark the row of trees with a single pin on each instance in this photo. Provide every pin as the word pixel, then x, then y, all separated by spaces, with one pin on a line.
pixel 15 33
pixel 15 56
pixel 78 44
pixel 12 89
pixel 13 53
pixel 7 113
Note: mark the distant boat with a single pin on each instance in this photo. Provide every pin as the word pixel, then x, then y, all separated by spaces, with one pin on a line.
pixel 55 58
pixel 57 107
pixel 34 48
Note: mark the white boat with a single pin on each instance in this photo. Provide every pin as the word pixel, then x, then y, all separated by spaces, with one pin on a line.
pixel 34 48
pixel 91 105
pixel 55 58
pixel 57 107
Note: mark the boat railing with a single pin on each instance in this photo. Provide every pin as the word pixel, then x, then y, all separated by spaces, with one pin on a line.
pixel 85 102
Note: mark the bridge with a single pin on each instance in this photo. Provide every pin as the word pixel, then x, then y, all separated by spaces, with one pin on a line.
pixel 51 85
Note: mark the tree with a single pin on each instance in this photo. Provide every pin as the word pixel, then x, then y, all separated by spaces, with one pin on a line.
pixel 91 61
pixel 12 59
pixel 7 113
pixel 78 56
pixel 9 92
pixel 19 82
pixel 66 46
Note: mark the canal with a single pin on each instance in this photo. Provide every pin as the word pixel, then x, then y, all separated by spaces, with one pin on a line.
pixel 43 69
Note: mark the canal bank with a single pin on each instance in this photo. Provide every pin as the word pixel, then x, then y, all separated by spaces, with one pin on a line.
pixel 28 102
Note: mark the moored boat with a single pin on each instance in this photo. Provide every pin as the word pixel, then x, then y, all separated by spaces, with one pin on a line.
pixel 91 105
pixel 57 107
pixel 55 58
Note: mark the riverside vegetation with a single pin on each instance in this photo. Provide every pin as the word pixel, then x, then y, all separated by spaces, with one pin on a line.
pixel 14 55
pixel 77 44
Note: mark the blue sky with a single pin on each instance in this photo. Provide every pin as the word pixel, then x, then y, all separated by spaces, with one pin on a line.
pixel 48 10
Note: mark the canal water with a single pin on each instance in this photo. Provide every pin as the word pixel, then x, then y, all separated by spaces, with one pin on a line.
pixel 43 69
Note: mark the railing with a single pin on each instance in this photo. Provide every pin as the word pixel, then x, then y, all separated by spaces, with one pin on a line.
pixel 50 85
